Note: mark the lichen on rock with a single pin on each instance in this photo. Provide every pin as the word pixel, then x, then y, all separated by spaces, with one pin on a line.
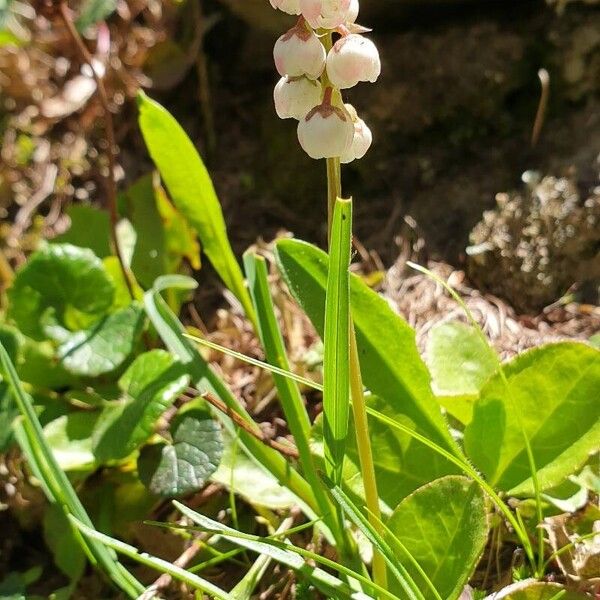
pixel 537 243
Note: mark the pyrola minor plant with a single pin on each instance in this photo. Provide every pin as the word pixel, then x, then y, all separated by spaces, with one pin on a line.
pixel 314 70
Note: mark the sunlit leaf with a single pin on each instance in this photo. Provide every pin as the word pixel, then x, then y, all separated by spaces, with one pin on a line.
pixel 552 398
pixel 444 527
pixel 69 281
pixel 191 190
pixel 185 465
pixel 391 368
pixel 105 346
pixel 150 386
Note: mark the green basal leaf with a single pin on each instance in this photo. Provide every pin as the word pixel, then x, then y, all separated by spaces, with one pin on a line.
pixel 444 527
pixel 552 397
pixel 391 368
pixel 184 466
pixel 150 385
pixel 191 190
pixel 390 364
pixel 458 360
pixel 70 438
pixel 105 346
pixel 69 281
pixel 536 590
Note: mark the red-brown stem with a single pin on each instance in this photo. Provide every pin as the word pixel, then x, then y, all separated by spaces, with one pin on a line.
pixel 327 96
pixel 111 183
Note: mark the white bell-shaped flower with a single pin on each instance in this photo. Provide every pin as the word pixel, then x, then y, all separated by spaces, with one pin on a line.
pixel 353 11
pixel 361 140
pixel 326 132
pixel 326 14
pixel 295 97
pixel 291 7
pixel 353 58
pixel 300 52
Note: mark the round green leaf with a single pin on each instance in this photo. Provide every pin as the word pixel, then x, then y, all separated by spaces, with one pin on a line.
pixel 185 465
pixel 68 280
pixel 150 385
pixel 444 526
pixel 105 346
pixel 552 398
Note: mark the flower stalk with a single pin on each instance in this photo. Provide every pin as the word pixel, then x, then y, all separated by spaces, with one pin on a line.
pixel 332 130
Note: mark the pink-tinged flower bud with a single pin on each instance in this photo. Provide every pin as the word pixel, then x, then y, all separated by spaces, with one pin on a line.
pixel 291 7
pixel 326 132
pixel 353 58
pixel 326 14
pixel 295 97
pixel 361 141
pixel 299 52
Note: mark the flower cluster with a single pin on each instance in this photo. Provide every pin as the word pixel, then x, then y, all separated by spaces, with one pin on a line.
pixel 314 70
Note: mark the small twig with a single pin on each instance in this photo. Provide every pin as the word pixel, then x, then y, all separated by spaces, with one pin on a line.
pixel 542 106
pixel 111 183
pixel 285 449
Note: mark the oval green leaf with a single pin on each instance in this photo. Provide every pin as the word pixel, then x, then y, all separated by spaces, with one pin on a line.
pixel 390 364
pixel 105 346
pixel 150 385
pixel 170 470
pixel 68 280
pixel 444 526
pixel 552 398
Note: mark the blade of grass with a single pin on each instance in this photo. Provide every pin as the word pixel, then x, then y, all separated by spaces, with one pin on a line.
pixel 539 566
pixel 255 362
pixel 336 357
pixel 153 562
pixel 378 541
pixel 293 557
pixel 289 394
pixel 58 485
pixel 468 470
pixel 205 379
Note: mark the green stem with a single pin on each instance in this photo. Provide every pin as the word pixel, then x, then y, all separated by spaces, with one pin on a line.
pixel 359 410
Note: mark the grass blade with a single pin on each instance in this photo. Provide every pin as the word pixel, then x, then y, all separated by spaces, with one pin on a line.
pixel 153 562
pixel 256 363
pixel 57 484
pixel 293 557
pixel 336 358
pixel 289 394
